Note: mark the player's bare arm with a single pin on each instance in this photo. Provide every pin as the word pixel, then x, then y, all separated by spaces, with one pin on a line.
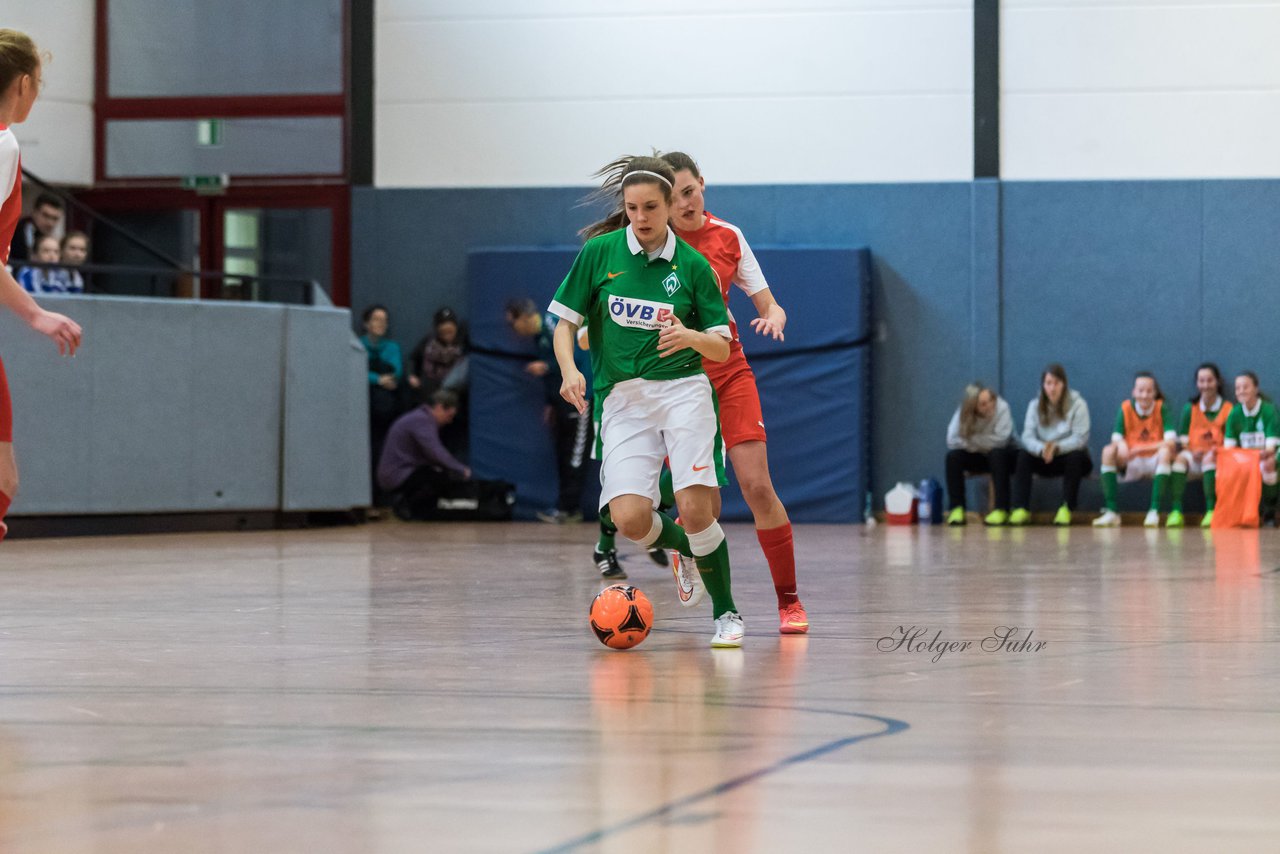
pixel 573 386
pixel 772 319
pixel 64 331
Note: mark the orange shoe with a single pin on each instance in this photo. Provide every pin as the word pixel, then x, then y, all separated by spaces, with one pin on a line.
pixel 793 620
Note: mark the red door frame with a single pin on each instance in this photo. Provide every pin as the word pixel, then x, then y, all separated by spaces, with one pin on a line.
pixel 290 191
pixel 211 208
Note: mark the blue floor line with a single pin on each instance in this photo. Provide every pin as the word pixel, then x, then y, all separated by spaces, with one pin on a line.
pixel 892 727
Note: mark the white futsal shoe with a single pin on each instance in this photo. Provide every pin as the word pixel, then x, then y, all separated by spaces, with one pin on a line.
pixel 689 586
pixel 1152 520
pixel 729 631
pixel 1108 519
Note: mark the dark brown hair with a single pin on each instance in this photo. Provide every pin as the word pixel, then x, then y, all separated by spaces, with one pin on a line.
pixel 1048 411
pixel 1147 375
pixel 679 161
pixel 1212 367
pixel 618 174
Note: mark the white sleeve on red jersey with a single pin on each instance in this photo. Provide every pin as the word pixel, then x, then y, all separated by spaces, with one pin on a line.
pixel 8 164
pixel 750 278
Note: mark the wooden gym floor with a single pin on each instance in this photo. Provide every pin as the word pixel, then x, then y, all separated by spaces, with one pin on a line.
pixel 434 688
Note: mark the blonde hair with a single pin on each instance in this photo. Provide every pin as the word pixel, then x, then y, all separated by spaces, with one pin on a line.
pixel 18 56
pixel 969 416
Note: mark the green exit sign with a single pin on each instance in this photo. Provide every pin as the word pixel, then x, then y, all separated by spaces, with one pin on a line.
pixel 207 185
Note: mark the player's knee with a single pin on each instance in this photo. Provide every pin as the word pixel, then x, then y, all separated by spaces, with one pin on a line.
pixel 757 492
pixel 634 526
pixel 1109 454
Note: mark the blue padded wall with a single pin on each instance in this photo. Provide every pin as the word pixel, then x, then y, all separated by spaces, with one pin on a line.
pixel 970 280
pixel 815 404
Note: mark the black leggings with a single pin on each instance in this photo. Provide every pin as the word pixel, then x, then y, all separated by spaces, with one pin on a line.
pixel 1072 467
pixel 998 462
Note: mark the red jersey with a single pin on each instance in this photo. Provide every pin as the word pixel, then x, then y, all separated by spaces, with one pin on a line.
pixel 723 245
pixel 10 190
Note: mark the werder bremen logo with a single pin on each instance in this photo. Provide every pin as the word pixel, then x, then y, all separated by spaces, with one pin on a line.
pixel 671 283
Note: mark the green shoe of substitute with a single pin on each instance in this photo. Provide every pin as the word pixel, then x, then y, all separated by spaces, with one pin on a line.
pixel 1019 517
pixel 956 516
pixel 995 518
pixel 1063 516
pixel 1207 520
pixel 1174 519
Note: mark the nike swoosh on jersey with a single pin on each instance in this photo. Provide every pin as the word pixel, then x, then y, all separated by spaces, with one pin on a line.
pixel 615 275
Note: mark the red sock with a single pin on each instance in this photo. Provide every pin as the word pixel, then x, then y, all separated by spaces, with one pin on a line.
pixel 4 510
pixel 779 551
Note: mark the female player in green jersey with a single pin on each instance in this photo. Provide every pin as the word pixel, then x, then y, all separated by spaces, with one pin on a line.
pixel 653 310
pixel 1254 423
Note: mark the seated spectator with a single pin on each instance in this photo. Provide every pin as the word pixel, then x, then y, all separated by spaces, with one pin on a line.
pixel 980 441
pixel 45 280
pixel 1055 443
pixel 45 220
pixel 439 359
pixel 386 372
pixel 1143 445
pixel 415 468
pixel 75 251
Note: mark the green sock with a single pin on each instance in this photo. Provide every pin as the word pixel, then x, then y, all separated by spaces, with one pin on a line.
pixel 666 490
pixel 1269 491
pixel 1109 489
pixel 608 533
pixel 1177 485
pixel 1210 489
pixel 714 569
pixel 1159 490
pixel 672 536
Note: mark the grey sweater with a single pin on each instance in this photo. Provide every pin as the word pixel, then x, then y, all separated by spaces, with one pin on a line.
pixel 1070 433
pixel 988 434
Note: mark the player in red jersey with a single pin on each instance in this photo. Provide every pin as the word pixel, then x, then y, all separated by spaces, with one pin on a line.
pixel 741 419
pixel 20 76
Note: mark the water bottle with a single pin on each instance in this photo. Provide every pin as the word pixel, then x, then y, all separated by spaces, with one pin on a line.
pixel 924 506
pixel 868 517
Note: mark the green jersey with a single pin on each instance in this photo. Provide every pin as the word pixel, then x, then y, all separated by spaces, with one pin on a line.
pixel 1259 430
pixel 625 298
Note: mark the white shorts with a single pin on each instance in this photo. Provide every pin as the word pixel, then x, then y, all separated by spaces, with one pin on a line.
pixel 1140 468
pixel 645 421
pixel 1195 468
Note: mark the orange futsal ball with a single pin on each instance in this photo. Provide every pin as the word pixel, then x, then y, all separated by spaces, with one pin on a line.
pixel 621 616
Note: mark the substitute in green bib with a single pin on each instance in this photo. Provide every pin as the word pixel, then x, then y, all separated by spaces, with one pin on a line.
pixel 653 310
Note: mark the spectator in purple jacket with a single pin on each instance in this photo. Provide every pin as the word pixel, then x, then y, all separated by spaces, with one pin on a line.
pixel 415 466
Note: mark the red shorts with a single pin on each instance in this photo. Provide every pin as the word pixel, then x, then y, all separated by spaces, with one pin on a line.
pixel 741 419
pixel 6 408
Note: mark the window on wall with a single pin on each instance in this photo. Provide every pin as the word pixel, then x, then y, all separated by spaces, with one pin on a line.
pixel 224 47
pixel 245 88
pixel 189 91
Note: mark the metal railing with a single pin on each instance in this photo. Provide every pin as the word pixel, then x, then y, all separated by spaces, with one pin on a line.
pixel 128 280
pixel 175 280
pixel 72 202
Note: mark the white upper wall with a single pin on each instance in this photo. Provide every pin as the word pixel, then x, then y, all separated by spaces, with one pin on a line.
pixel 1140 89
pixel 508 93
pixel 57 139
